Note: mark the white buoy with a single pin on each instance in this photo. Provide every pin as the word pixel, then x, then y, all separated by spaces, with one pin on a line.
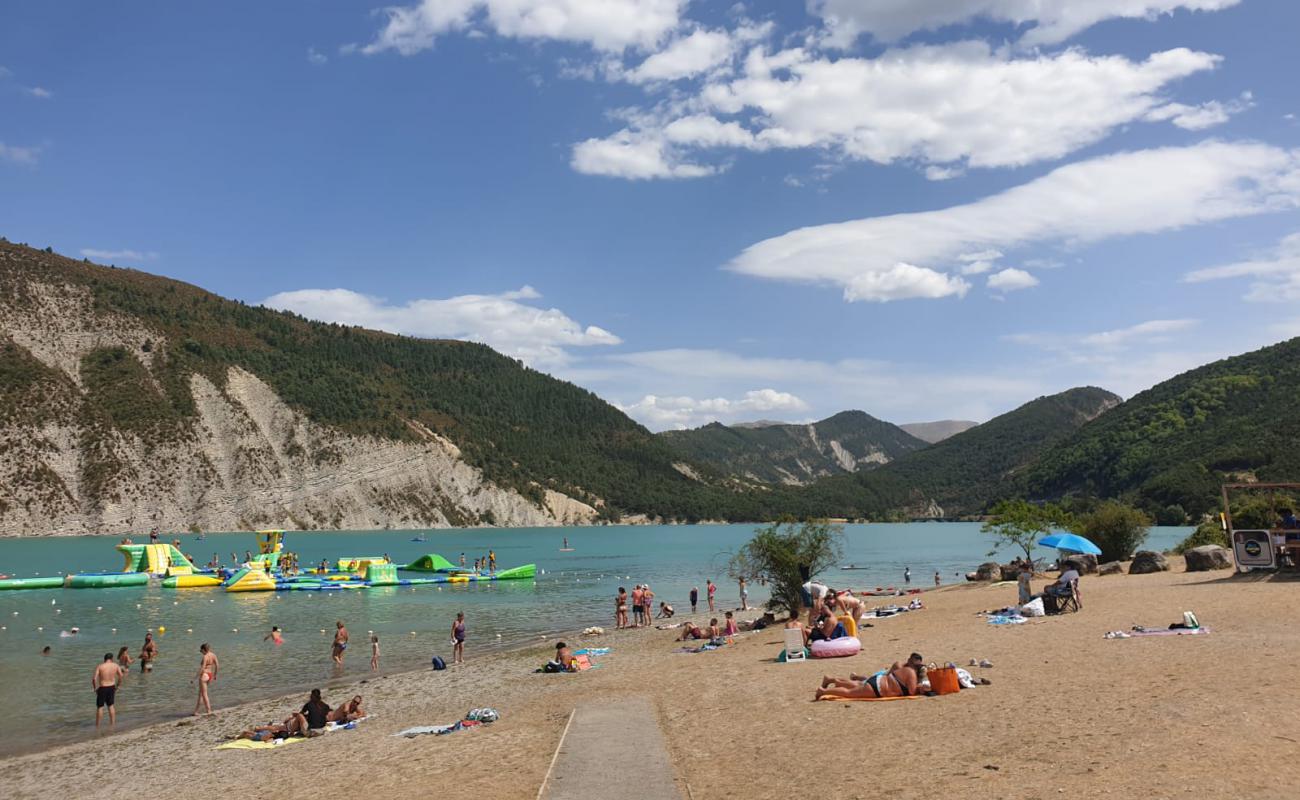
pixel 412 633
pixel 211 600
pixel 58 611
pixel 234 630
pixel 40 627
pixel 15 613
pixel 54 602
pixel 137 605
pixel 99 608
pixel 189 630
pixel 322 630
pixel 176 602
pixel 115 630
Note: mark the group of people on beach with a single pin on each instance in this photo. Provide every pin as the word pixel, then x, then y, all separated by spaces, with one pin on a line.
pixel 110 674
pixel 310 720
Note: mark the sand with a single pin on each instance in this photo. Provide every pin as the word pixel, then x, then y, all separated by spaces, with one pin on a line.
pixel 1068 713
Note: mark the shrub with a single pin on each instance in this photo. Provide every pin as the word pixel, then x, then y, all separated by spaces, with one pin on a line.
pixel 1017 523
pixel 1114 527
pixel 787 554
pixel 1208 532
pixel 1171 515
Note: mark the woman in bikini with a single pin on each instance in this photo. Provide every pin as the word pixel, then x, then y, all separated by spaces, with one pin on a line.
pixel 207 674
pixel 898 681
pixel 620 608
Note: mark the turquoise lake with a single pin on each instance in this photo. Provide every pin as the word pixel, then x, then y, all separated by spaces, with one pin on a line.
pixel 575 590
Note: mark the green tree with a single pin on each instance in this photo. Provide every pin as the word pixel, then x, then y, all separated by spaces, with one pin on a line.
pixel 786 554
pixel 1018 523
pixel 1208 532
pixel 1116 528
pixel 1171 515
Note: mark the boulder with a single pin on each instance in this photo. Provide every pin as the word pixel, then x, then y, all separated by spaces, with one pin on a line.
pixel 1086 563
pixel 1010 572
pixel 1110 568
pixel 988 571
pixel 1146 562
pixel 1207 557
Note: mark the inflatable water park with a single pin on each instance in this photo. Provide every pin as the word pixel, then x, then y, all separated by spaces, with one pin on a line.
pixel 271 569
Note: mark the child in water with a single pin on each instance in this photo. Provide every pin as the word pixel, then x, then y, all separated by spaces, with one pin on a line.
pixel 374 652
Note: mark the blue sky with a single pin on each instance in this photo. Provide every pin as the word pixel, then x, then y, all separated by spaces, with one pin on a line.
pixel 923 209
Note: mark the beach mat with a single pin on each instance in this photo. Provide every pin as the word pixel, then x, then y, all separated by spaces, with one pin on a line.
pixel 249 744
pixel 1171 632
pixel 870 699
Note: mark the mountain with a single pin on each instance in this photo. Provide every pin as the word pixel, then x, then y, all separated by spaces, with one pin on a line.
pixel 932 432
pixel 962 474
pixel 1233 420
pixel 758 423
pixel 129 400
pixel 795 454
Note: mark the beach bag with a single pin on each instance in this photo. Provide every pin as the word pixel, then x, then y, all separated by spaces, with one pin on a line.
pixel 1034 608
pixel 438 663
pixel 943 680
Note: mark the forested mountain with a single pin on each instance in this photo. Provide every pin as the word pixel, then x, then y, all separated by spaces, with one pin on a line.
pixel 128 399
pixel 964 473
pixel 1234 420
pixel 932 432
pixel 795 454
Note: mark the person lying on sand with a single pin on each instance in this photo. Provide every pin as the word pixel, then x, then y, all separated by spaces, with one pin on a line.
pixel 693 631
pixel 294 725
pixel 898 681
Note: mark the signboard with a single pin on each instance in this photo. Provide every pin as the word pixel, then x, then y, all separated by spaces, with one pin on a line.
pixel 1253 549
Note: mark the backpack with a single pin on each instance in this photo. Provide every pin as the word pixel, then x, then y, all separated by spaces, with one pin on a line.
pixel 438 663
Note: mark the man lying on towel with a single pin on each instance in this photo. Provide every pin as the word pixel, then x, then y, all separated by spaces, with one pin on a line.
pixel 899 680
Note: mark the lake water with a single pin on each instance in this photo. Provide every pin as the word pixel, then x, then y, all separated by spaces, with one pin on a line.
pixel 576 590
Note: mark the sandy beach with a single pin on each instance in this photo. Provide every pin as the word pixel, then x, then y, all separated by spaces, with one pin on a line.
pixel 1068 712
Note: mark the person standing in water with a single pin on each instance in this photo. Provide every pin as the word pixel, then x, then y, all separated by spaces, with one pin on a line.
pixel 744 596
pixel 695 597
pixel 148 652
pixel 462 560
pixel 107 677
pixel 712 590
pixel 492 561
pixel 937 579
pixel 274 635
pixel 340 643
pixel 458 639
pixel 907 574
pixel 620 608
pixel 207 674
pixel 374 652
pixel 566 543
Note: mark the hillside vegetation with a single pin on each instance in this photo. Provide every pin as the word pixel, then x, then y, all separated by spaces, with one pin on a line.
pixel 795 454
pixel 1173 445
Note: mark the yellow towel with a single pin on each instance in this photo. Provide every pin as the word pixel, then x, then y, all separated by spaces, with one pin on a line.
pixel 249 744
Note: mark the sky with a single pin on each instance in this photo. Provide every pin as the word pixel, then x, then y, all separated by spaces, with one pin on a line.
pixel 923 209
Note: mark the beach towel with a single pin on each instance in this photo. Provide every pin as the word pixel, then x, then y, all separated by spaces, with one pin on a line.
pixel 593 651
pixel 870 699
pixel 1169 632
pixel 249 744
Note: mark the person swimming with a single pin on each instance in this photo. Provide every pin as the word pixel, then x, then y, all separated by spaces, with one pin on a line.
pixel 274 635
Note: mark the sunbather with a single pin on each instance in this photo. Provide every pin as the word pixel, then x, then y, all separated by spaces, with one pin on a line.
pixel 294 725
pixel 347 711
pixel 693 631
pixel 898 681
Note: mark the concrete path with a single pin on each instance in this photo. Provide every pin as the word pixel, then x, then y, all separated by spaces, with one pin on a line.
pixel 612 749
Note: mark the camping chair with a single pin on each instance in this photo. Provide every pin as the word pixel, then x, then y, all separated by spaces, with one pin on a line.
pixel 793 645
pixel 1071 602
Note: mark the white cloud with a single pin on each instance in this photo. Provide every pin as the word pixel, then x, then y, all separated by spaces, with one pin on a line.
pixel 1011 279
pixel 1276 274
pixel 26 156
pixel 1206 115
pixel 659 412
pixel 1146 191
pixel 113 256
pixel 608 25
pixel 1053 20
pixel 685 57
pixel 38 91
pixel 1155 330
pixel 316 57
pixel 536 335
pixel 946 106
pixel 628 154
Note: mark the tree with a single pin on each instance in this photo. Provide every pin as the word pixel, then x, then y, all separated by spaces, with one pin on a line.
pixel 1116 528
pixel 786 555
pixel 1018 523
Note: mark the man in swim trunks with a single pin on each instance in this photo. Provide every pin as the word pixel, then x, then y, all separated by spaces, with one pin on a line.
pixel 695 597
pixel 107 677
pixel 347 712
pixel 340 643
pixel 207 674
pixel 814 593
pixel 148 652
pixel 316 712
pixel 898 681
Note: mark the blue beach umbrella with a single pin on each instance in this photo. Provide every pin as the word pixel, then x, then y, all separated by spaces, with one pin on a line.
pixel 1070 543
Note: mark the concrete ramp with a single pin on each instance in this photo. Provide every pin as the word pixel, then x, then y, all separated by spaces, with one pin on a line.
pixel 612 749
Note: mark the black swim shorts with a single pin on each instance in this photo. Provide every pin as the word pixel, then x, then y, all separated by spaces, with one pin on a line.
pixel 104 696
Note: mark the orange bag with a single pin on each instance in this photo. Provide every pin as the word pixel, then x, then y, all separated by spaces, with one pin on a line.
pixel 943 680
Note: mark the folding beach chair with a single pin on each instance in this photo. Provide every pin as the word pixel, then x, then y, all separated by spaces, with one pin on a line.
pixel 1071 602
pixel 793 645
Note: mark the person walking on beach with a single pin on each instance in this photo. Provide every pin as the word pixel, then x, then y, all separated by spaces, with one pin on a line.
pixel 620 608
pixel 207 674
pixel 340 643
pixel 107 677
pixel 148 652
pixel 744 596
pixel 937 580
pixel 712 590
pixel 458 639
pixel 695 597
pixel 374 652
pixel 907 574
